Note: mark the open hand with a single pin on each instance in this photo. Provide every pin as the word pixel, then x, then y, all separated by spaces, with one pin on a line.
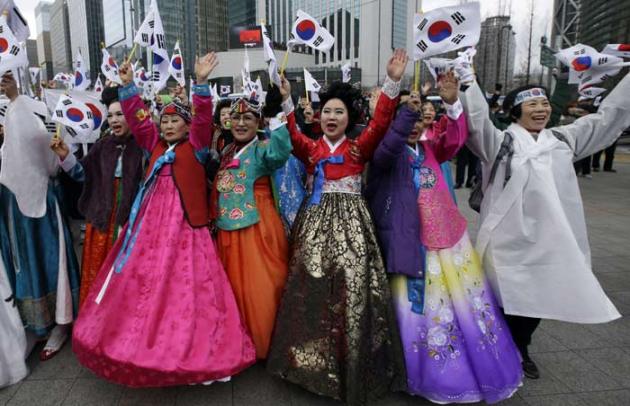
pixel 397 64
pixel 449 87
pixel 179 92
pixel 204 66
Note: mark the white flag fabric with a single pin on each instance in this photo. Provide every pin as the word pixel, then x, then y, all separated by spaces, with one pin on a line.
pixel 98 86
pixel 151 35
pixel 109 67
pixel 270 58
pixel 191 83
pixel 588 67
pixel 462 65
pixel 620 50
pixel 260 92
pixel 225 90
pixel 306 30
pixel 35 72
pixel 12 53
pixel 310 83
pixel 346 72
pixel 88 105
pixel 143 82
pixel 446 29
pixel 17 22
pixel 591 92
pixel 63 77
pixel 176 67
pixel 81 80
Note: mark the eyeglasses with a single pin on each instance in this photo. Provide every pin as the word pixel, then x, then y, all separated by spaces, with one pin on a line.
pixel 247 118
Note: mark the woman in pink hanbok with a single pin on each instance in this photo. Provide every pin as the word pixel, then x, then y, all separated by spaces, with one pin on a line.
pixel 161 311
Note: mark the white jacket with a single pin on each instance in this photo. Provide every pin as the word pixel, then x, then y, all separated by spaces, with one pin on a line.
pixel 532 235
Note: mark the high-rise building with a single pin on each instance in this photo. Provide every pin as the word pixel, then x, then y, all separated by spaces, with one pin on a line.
pixel 60 37
pixel 365 32
pixel 31 52
pixel 199 26
pixel 242 13
pixel 86 32
pixel 605 22
pixel 495 57
pixel 42 29
pixel 566 19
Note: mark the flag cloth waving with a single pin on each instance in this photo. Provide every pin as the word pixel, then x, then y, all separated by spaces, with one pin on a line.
pixel 176 67
pixel 151 35
pixel 17 22
pixel 446 29
pixel 81 81
pixel 591 92
pixel 35 74
pixel 74 114
pixel 88 110
pixel 620 50
pixel 310 83
pixel 98 86
pixel 12 54
pixel 588 67
pixel 109 67
pixel 346 72
pixel 270 57
pixel 306 30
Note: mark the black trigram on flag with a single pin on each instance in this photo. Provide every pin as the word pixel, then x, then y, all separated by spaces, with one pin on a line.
pixel 3 110
pixel 458 18
pixel 84 126
pixel 71 132
pixel 66 102
pixel 422 24
pixel 59 113
pixel 579 51
pixel 604 78
pixel 588 78
pixel 89 114
pixel 422 45
pixel 602 60
pixel 156 76
pixel 159 38
pixel 318 41
pixel 151 24
pixel 15 50
pixel 145 37
pixel 107 68
pixel 1 29
pixel 458 38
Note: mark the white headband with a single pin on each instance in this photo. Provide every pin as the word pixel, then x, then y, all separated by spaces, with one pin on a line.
pixel 529 94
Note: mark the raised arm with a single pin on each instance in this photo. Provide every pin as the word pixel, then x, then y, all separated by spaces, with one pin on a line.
pixel 201 128
pixel 302 145
pixel 67 160
pixel 454 133
pixel 136 113
pixel 273 153
pixel 597 131
pixel 484 139
pixel 396 138
pixel 385 107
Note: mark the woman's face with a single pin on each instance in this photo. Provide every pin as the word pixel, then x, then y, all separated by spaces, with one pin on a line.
pixel 428 114
pixel 173 127
pixel 535 114
pixel 334 119
pixel 416 133
pixel 244 126
pixel 224 117
pixel 116 120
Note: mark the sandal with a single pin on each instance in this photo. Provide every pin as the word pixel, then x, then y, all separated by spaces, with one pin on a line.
pixel 55 343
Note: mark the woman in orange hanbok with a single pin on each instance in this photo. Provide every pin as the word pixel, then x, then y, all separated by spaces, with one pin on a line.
pixel 111 173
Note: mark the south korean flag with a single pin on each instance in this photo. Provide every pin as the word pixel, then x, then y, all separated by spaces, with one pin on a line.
pixel 620 50
pixel 109 67
pixel 176 67
pixel 446 29
pixel 151 35
pixel 588 67
pixel 591 92
pixel 75 115
pixel 12 53
pixel 306 30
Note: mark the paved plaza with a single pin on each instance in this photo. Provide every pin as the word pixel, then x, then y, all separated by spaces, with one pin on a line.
pixel 580 364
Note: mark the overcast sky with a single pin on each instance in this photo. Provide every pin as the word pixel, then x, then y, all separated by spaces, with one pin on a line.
pixel 517 9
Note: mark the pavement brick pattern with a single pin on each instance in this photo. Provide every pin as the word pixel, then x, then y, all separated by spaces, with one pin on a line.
pixel 580 364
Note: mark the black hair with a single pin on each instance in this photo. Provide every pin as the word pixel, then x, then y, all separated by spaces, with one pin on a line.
pixel 217 112
pixel 273 102
pixel 404 92
pixel 515 112
pixel 109 95
pixel 350 96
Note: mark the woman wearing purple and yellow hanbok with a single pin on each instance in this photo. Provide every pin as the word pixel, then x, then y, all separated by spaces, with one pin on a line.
pixel 457 346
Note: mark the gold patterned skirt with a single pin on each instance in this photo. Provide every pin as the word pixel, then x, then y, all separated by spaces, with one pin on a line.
pixel 336 332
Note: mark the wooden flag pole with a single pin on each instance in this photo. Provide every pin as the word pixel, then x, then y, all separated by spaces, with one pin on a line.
pixel 284 62
pixel 57 135
pixel 416 81
pixel 131 54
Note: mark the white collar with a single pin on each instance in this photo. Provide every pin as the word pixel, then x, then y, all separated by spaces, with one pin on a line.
pixel 242 150
pixel 333 147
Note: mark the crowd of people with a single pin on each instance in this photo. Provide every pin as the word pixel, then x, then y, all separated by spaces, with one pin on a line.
pixel 325 243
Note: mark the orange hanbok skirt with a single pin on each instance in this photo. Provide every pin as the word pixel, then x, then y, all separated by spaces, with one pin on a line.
pixel 256 261
pixel 96 246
